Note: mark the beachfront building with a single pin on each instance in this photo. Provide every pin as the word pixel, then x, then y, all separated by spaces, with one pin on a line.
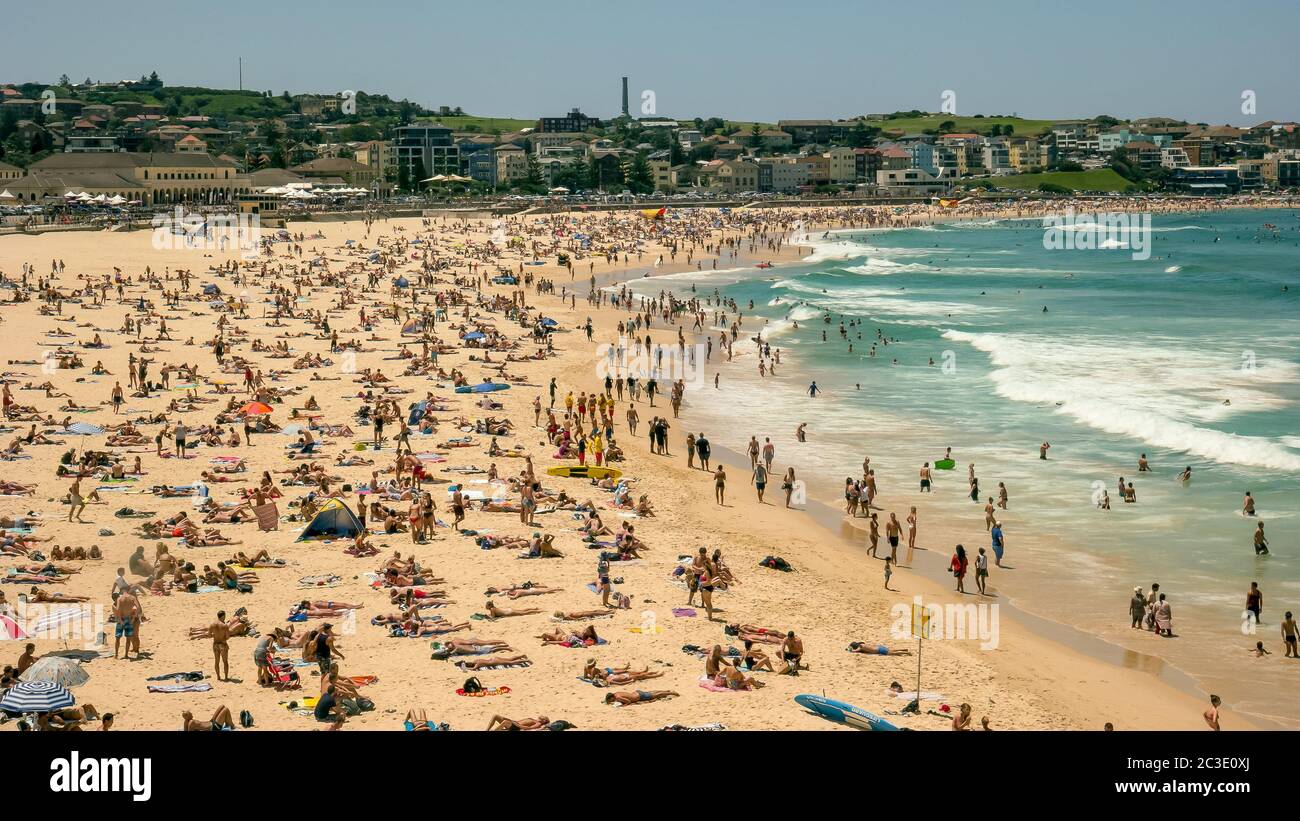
pixel 349 172
pixel 378 154
pixel 729 176
pixel 842 166
pixel 426 149
pixel 910 182
pixel 10 172
pixel 150 177
pixel 813 131
pixel 511 163
pixel 783 175
pixel 1206 180
pixel 866 162
pixel 575 120
pixel 996 158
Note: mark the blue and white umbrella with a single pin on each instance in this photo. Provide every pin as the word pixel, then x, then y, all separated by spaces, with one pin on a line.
pixel 84 429
pixel 36 697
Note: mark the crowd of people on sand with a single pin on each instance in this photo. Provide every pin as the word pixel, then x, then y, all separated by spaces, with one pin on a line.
pixel 445 292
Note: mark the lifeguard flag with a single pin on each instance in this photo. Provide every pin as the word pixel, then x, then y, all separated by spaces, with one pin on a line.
pixel 653 214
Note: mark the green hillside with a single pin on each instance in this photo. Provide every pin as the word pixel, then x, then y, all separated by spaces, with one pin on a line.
pixel 1101 179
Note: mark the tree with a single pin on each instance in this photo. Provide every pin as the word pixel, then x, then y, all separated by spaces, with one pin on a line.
pixel 534 179
pixel 755 136
pixel 640 177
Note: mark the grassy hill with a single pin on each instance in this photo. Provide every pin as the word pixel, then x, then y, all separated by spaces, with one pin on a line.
pixel 1101 179
pixel 978 125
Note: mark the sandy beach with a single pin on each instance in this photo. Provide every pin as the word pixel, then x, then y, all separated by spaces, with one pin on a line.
pixel 833 597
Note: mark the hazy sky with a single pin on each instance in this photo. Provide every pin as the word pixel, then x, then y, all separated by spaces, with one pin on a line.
pixel 759 60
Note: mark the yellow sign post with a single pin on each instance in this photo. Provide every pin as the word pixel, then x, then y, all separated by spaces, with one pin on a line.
pixel 920 629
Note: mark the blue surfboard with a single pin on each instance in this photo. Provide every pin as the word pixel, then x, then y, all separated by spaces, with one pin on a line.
pixel 841 713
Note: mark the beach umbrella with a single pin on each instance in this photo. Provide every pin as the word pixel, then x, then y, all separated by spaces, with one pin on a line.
pixel 5 195
pixel 255 409
pixel 84 429
pixel 548 322
pixel 10 629
pixel 474 335
pixel 63 671
pixel 36 697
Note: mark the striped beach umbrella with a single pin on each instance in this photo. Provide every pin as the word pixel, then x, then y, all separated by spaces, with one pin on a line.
pixel 11 629
pixel 63 671
pixel 36 697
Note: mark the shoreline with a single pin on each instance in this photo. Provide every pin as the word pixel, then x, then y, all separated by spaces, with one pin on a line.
pixel 1070 637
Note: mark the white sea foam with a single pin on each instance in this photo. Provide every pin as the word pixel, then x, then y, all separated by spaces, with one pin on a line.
pixel 1151 393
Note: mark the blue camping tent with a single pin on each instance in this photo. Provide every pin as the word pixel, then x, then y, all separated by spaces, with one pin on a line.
pixel 211 289
pixel 334 521
pixel 402 282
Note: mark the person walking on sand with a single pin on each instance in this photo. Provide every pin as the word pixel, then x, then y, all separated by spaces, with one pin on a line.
pixel 788 485
pixel 759 479
pixel 982 572
pixel 720 484
pixel 958 566
pixel 76 504
pixel 889 571
pixel 911 534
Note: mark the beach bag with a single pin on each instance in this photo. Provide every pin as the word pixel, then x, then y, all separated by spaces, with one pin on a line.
pixel 245 719
pixel 472 685
pixel 560 726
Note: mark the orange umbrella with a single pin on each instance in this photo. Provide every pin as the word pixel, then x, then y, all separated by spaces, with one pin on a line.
pixel 255 409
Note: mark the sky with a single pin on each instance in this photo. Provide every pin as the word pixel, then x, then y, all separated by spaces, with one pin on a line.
pixel 757 60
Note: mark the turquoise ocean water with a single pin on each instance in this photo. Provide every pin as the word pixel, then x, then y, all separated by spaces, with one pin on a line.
pixel 1191 356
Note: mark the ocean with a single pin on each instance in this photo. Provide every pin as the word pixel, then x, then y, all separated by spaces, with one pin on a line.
pixel 1190 355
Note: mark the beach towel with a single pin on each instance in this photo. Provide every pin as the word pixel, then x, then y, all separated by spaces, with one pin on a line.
pixel 713 687
pixel 577 645
pixel 490 691
pixel 699 728
pixel 190 687
pixel 656 630
pixel 684 612
pixel 268 516
pixel 519 664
